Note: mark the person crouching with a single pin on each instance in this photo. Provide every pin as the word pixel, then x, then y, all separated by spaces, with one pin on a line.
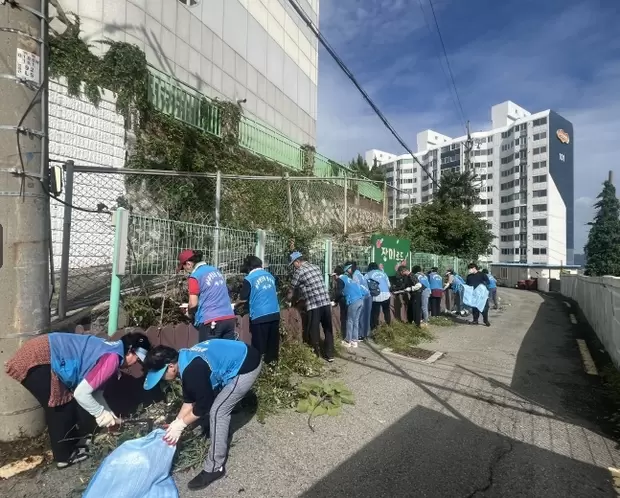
pixel 230 367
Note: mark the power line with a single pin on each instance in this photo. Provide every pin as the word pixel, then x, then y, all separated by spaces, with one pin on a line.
pixel 351 77
pixel 445 52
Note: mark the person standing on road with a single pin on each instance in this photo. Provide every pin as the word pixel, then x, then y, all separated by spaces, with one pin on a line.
pixel 353 294
pixel 67 373
pixel 259 290
pixel 492 288
pixel 426 291
pixel 228 368
pixel 474 279
pixel 455 285
pixel 308 281
pixel 383 300
pixel 209 303
pixel 364 329
pixel 436 286
pixel 415 290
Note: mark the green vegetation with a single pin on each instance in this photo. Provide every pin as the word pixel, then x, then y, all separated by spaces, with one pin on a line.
pixel 603 247
pixel 441 321
pixel 323 398
pixel 400 337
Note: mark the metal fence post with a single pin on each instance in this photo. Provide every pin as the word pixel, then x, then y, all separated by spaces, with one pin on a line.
pixel 289 194
pixel 328 261
pixel 218 197
pixel 346 203
pixel 66 241
pixel 119 260
pixel 260 245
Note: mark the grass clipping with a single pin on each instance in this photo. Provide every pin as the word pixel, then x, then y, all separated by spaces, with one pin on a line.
pixel 400 337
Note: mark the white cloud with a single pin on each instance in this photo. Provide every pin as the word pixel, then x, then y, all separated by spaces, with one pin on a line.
pixel 567 62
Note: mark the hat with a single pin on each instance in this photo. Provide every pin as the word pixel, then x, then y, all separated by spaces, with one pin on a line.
pixel 184 257
pixel 140 353
pixel 347 268
pixel 153 377
pixel 295 256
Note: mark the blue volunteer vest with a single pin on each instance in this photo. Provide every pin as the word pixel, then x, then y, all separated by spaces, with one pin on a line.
pixel 436 283
pixel 360 279
pixel 263 297
pixel 223 356
pixel 492 282
pixel 382 278
pixel 352 290
pixel 423 279
pixel 72 355
pixel 213 300
pixel 457 283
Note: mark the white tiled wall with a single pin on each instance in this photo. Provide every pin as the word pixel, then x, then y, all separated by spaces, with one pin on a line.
pixel 90 136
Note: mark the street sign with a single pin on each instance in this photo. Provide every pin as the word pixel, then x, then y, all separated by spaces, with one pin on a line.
pixel 27 67
pixel 389 252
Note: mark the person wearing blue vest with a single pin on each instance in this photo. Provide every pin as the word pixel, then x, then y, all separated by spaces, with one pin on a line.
pixel 436 286
pixel 209 303
pixel 422 278
pixel 67 373
pixel 455 284
pixel 215 376
pixel 356 275
pixel 353 295
pixel 383 300
pixel 492 288
pixel 259 291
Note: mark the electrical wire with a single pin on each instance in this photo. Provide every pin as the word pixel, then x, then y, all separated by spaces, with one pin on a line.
pixel 445 52
pixel 352 78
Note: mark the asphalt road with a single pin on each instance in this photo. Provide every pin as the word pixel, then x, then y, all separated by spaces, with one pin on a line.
pixel 508 412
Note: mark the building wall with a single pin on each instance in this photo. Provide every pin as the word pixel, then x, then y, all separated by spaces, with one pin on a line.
pixel 258 50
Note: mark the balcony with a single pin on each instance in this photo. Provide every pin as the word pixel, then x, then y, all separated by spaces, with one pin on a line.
pixel 189 105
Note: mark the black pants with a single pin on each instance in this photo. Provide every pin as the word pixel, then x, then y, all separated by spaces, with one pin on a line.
pixel 222 330
pixel 343 319
pixel 485 314
pixel 376 311
pixel 320 317
pixel 435 305
pixel 457 301
pixel 67 423
pixel 414 309
pixel 266 339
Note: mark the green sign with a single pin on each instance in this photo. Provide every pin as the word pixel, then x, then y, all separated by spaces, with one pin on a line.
pixel 390 252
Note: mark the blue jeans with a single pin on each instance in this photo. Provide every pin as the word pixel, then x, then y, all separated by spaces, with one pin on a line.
pixel 354 313
pixel 364 330
pixel 426 294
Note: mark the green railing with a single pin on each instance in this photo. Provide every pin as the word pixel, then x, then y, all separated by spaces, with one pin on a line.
pixel 187 104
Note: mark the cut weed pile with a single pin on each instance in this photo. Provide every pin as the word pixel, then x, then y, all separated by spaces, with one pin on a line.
pixel 442 321
pixel 400 337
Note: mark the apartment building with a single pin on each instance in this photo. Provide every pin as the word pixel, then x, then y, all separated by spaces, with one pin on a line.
pixel 525 175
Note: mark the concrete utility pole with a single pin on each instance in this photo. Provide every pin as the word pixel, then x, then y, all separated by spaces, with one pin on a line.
pixel 469 145
pixel 24 203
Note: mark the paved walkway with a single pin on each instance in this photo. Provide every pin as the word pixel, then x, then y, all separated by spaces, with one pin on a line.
pixel 505 414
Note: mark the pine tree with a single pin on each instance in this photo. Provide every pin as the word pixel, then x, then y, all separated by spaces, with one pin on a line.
pixel 603 247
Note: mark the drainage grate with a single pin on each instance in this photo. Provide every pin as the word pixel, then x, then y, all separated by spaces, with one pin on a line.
pixel 418 353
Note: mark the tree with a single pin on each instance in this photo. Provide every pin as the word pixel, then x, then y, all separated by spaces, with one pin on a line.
pixel 603 247
pixel 440 228
pixel 456 189
pixel 359 166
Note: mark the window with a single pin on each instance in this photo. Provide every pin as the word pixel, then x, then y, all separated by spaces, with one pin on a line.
pixel 539 193
pixel 539 179
pixel 490 139
pixel 503 273
pixel 540 136
pixel 506 160
pixel 539 150
pixel 539 222
pixel 490 214
pixel 540 236
pixel 539 122
pixel 537 208
pixel 536 251
pixel 540 164
pixel 490 164
pixel 506 134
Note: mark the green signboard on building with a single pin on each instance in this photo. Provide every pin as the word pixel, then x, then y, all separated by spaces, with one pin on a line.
pixel 390 252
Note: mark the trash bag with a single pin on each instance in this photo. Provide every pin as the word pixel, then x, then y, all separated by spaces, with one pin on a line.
pixel 475 298
pixel 139 468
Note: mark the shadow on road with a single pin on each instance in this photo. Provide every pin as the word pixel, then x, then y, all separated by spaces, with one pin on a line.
pixel 430 454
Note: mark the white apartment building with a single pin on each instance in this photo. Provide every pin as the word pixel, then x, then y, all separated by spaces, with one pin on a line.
pixel 525 169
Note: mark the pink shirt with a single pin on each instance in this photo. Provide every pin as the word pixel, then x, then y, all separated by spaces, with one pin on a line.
pixel 103 370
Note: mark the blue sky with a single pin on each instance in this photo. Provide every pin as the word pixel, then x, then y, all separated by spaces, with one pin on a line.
pixel 558 54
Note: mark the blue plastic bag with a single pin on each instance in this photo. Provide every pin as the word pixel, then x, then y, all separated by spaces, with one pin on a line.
pixel 139 468
pixel 475 298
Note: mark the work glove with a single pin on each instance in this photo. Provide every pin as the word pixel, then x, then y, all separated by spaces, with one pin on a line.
pixel 408 289
pixel 334 303
pixel 107 419
pixel 175 429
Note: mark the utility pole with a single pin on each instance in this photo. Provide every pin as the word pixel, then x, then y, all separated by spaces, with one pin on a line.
pixel 469 145
pixel 24 200
pixel 611 177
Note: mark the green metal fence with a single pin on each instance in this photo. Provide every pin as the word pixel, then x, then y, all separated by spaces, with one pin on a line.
pixel 187 104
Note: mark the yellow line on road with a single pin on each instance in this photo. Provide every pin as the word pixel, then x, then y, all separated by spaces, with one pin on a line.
pixel 588 363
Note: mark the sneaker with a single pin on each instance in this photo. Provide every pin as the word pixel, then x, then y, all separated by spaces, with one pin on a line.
pixel 203 479
pixel 346 344
pixel 329 360
pixel 488 324
pixel 354 344
pixel 78 455
pixel 474 323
